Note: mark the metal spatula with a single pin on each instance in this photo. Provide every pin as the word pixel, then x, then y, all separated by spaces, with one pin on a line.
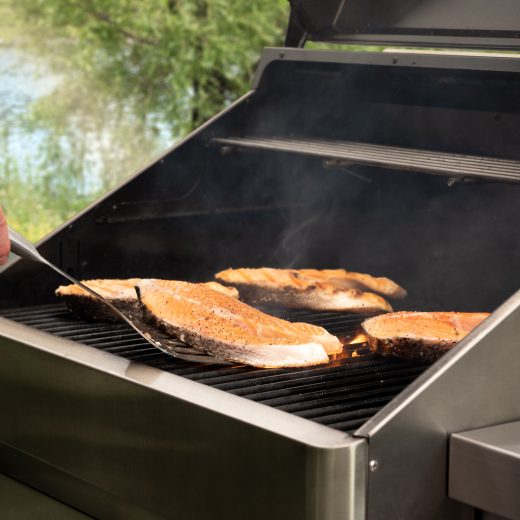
pixel 24 248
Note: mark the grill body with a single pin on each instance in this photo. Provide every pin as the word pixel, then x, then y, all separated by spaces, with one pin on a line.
pixel 118 439
pixel 115 429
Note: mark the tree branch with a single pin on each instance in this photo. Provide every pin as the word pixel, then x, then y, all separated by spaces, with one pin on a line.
pixel 103 17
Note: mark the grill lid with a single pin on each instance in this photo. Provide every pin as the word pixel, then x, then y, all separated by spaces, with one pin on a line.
pixel 432 23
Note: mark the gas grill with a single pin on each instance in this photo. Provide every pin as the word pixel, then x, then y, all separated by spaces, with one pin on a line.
pixel 405 165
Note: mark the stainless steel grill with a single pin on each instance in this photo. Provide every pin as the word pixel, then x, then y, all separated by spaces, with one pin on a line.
pixel 341 148
pixel 342 395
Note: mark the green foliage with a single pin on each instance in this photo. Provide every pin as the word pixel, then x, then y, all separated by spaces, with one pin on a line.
pixel 132 77
pixel 181 60
pixel 37 200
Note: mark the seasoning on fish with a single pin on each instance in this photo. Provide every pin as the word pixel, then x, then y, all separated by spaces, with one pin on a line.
pixel 324 290
pixel 232 330
pixel 419 335
pixel 119 292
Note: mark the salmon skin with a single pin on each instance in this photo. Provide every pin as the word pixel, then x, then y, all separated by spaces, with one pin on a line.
pixel 419 335
pixel 326 289
pixel 120 292
pixel 232 330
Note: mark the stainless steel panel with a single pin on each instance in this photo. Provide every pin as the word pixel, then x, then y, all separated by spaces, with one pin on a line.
pixel 19 502
pixel 474 385
pixel 118 435
pixel 490 516
pixel 484 468
pixel 391 59
pixel 431 23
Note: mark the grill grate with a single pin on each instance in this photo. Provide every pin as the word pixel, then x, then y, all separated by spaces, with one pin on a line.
pixel 342 395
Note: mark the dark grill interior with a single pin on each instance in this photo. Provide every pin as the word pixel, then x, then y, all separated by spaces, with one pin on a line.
pixel 341 395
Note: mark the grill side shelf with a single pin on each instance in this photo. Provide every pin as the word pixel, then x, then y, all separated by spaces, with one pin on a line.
pixel 339 153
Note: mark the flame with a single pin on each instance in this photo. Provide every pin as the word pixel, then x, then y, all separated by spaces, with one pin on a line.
pixel 360 338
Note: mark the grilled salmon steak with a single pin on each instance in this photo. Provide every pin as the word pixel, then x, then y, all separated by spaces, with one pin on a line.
pixel 419 335
pixel 351 280
pixel 119 292
pixel 232 330
pixel 326 290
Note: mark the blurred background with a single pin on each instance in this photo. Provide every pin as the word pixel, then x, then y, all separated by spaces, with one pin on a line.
pixel 92 90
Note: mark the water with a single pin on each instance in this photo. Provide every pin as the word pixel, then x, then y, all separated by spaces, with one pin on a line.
pixel 55 161
pixel 22 81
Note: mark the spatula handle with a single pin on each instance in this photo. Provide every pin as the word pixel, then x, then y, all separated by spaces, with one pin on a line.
pixel 22 247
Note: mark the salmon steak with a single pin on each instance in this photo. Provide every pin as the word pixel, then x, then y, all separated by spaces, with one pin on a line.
pixel 231 330
pixel 324 290
pixel 419 335
pixel 82 304
pixel 120 292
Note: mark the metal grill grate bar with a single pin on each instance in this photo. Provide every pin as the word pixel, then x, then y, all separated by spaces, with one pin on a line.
pixel 307 379
pixel 342 395
pixel 349 389
pixel 348 416
pixel 44 310
pixel 260 376
pixel 322 399
pixel 348 381
pixel 424 161
pixel 342 411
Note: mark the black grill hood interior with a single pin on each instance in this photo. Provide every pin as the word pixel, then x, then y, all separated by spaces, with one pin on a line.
pixel 204 207
pixel 432 23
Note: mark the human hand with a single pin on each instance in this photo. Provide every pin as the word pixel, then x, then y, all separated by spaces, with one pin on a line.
pixel 4 239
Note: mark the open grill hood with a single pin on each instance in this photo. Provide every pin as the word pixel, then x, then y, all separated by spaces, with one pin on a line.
pixel 432 23
pixel 400 165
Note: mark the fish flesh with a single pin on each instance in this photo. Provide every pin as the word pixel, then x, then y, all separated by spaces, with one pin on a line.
pixel 232 292
pixel 419 335
pixel 119 292
pixel 325 290
pixel 231 330
pixel 215 323
pixel 338 277
pixel 351 280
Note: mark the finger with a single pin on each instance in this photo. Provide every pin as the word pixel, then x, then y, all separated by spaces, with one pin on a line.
pixel 4 239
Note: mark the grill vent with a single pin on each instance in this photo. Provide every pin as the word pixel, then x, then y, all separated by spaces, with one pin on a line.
pixel 342 395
